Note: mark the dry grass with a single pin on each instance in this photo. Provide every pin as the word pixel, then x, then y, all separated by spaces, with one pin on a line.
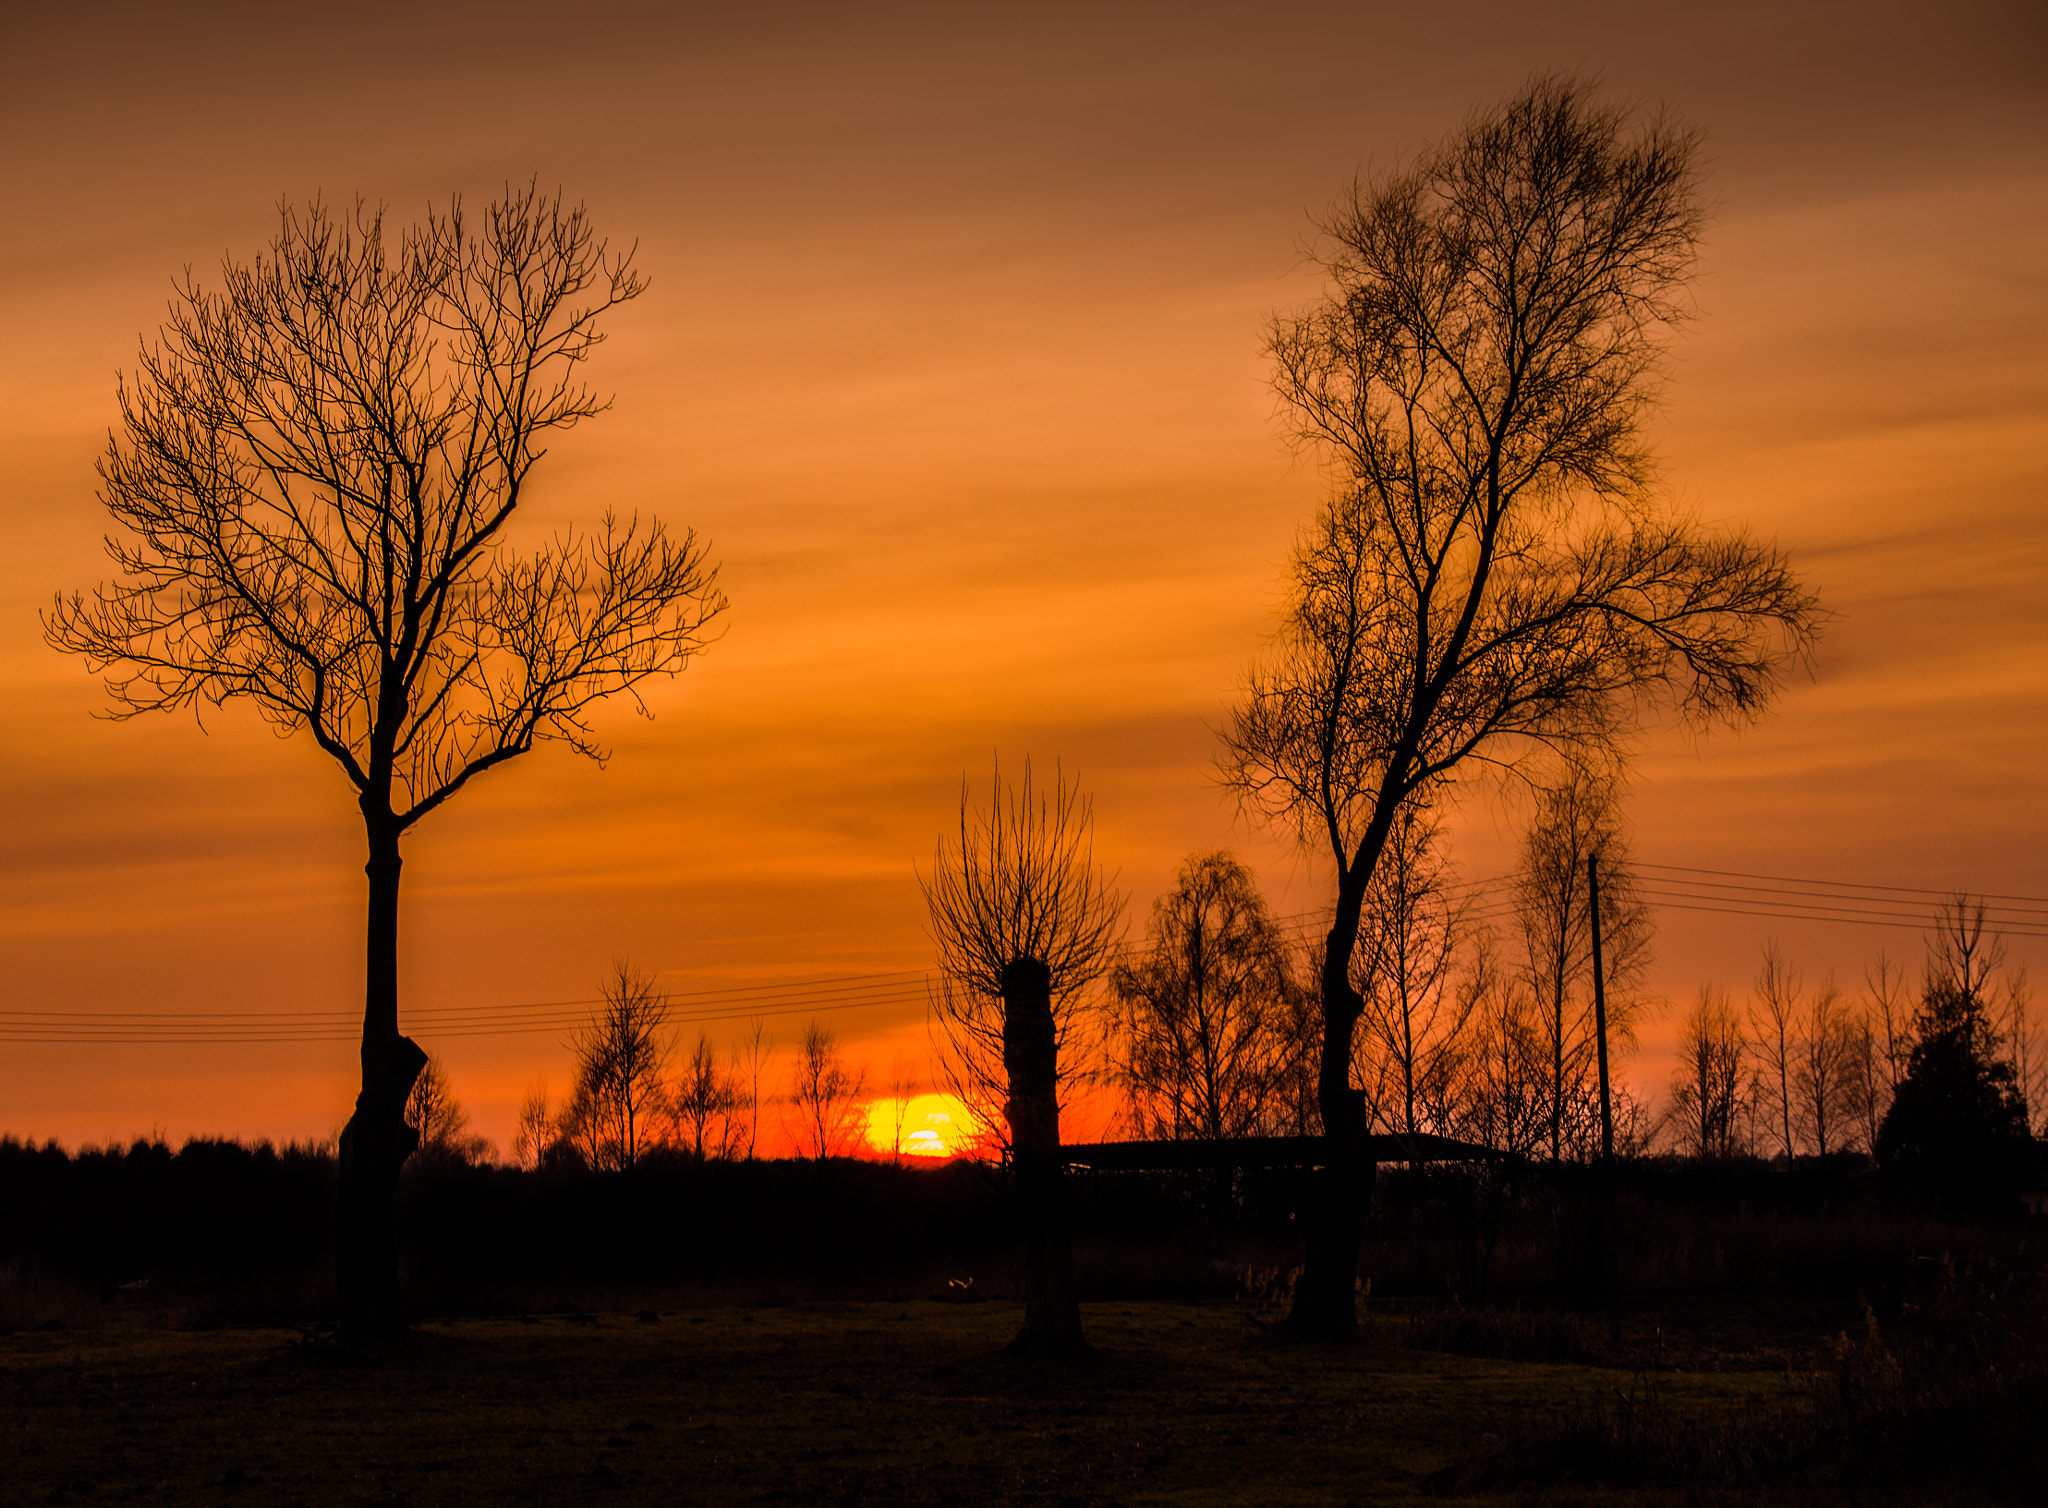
pixel 854 1403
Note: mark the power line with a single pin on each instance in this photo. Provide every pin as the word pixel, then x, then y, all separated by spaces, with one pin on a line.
pixel 1791 915
pixel 1940 895
pixel 1784 897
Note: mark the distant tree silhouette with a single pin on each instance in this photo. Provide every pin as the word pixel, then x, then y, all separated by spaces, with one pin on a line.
pixel 1963 952
pixel 432 1110
pixel 825 1094
pixel 314 474
pixel 535 1131
pixel 1707 1089
pixel 1409 941
pixel 753 1057
pixel 1490 575
pixel 2027 1065
pixel 1773 1021
pixel 621 1096
pixel 1497 1096
pixel 1958 1121
pixel 1824 1077
pixel 706 1103
pixel 1866 1097
pixel 1024 922
pixel 903 1086
pixel 1575 819
pixel 1889 1009
pixel 1209 1018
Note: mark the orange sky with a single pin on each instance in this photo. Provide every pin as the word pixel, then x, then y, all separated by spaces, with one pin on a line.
pixel 952 350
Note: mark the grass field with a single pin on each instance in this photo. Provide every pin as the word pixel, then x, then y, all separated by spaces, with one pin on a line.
pixel 856 1403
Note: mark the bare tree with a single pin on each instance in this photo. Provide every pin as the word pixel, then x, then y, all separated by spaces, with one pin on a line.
pixel 432 1110
pixel 1575 821
pixel 1019 883
pixel 535 1131
pixel 1867 1097
pixel 1491 573
pixel 621 1095
pixel 754 1050
pixel 1024 922
pixel 1963 952
pixel 705 1104
pixel 315 471
pixel 1823 1077
pixel 825 1094
pixel 1707 1090
pixel 1892 1013
pixel 903 1087
pixel 1774 1014
pixel 1407 951
pixel 2027 1064
pixel 1971 1059
pixel 1498 1099
pixel 1204 1033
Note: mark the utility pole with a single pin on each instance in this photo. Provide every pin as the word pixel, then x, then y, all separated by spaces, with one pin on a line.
pixel 1610 1258
pixel 1600 1012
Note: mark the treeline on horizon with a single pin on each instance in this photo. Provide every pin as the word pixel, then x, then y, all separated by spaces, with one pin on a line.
pixel 1480 1025
pixel 224 1231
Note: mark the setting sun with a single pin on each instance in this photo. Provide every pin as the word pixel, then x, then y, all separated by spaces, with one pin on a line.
pixel 925 1125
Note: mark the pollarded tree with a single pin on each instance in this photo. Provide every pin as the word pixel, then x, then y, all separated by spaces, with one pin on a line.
pixel 1024 922
pixel 314 478
pixel 1492 573
pixel 1018 891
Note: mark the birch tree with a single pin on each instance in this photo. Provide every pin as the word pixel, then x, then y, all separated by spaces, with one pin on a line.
pixel 1492 572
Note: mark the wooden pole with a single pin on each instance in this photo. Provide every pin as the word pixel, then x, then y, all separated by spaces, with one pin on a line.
pixel 1610 1257
pixel 1600 1012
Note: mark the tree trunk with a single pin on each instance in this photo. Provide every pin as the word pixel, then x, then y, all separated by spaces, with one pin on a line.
pixel 1052 1310
pixel 1326 1295
pixel 376 1141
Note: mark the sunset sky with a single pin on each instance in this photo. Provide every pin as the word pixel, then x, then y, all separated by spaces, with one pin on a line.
pixel 952 351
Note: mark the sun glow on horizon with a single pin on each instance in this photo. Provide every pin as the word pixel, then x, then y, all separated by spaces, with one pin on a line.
pixel 925 1125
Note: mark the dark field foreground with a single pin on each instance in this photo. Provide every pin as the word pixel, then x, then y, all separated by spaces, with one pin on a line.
pixel 893 1403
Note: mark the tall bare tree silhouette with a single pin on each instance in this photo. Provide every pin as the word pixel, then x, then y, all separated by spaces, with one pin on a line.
pixel 1024 922
pixel 1491 574
pixel 314 476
